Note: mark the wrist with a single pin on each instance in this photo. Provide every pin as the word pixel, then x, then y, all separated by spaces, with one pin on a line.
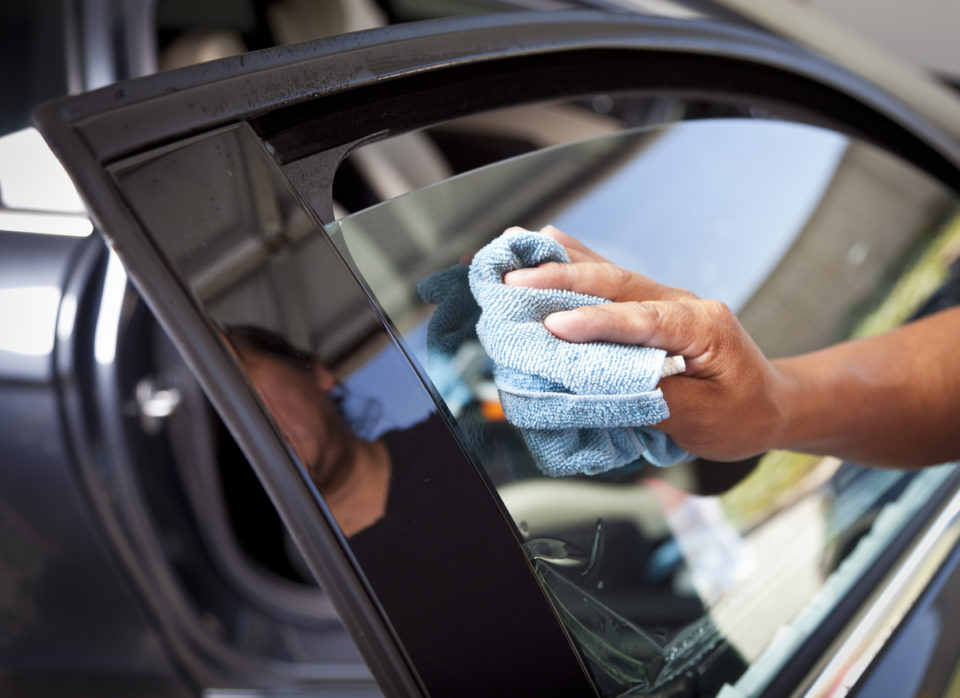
pixel 790 391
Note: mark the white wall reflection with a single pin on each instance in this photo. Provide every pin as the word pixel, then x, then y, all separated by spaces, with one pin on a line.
pixel 31 177
pixel 28 319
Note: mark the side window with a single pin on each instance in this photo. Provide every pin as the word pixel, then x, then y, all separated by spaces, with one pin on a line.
pixel 389 168
pixel 391 479
pixel 687 578
pixel 675 580
pixel 227 220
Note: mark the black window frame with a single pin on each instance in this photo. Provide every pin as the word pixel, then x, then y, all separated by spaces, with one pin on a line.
pixel 322 99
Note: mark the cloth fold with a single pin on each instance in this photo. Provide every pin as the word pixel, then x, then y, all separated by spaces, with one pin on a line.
pixel 582 408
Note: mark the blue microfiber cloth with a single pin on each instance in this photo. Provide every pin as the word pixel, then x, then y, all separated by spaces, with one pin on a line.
pixel 451 333
pixel 455 319
pixel 582 408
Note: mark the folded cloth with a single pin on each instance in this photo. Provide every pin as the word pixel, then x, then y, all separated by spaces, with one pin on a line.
pixel 455 319
pixel 583 408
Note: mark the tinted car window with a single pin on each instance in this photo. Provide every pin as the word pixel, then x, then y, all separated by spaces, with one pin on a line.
pixel 365 431
pixel 811 236
pixel 221 210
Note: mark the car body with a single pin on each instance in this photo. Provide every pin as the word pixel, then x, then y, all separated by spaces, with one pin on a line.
pixel 166 532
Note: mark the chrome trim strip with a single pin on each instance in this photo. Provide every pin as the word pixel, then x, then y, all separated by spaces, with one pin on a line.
pixel 888 609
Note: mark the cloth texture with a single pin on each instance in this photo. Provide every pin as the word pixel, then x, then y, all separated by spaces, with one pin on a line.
pixel 582 408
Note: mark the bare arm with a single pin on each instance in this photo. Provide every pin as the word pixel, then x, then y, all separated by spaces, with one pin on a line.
pixel 891 400
pixel 888 400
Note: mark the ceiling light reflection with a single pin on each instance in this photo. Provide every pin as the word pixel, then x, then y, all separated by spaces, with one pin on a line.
pixel 108 320
pixel 41 223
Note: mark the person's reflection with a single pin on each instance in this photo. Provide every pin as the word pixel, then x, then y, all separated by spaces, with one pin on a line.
pixel 352 474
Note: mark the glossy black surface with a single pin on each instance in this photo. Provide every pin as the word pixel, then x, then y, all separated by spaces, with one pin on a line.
pixel 922 657
pixel 449 592
pixel 69 615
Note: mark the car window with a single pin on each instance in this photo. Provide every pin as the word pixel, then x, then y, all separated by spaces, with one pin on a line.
pixel 358 420
pixel 258 600
pixel 685 579
pixel 385 169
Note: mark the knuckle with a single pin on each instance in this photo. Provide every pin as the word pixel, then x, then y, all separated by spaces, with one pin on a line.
pixel 554 271
pixel 717 310
pixel 623 278
pixel 612 275
pixel 615 281
pixel 647 313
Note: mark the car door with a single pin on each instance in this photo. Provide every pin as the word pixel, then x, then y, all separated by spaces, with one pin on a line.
pixel 221 189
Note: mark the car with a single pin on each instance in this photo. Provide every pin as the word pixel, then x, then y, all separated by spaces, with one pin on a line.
pixel 241 458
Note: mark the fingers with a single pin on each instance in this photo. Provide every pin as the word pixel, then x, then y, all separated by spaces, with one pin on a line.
pixel 591 274
pixel 622 323
pixel 695 329
pixel 596 279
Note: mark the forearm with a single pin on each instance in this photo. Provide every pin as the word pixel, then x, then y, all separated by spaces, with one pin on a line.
pixel 891 400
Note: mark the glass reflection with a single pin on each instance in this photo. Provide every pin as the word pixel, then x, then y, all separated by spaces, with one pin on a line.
pixel 29 315
pixel 718 205
pixel 334 383
pixel 664 589
pixel 302 396
pixel 311 346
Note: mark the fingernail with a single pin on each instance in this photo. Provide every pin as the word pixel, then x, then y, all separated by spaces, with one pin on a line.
pixel 556 321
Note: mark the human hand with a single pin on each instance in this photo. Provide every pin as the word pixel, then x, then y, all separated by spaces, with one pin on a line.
pixel 729 403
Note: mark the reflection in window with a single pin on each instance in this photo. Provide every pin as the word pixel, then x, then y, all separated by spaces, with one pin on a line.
pixel 696 236
pixel 314 352
pixel 802 231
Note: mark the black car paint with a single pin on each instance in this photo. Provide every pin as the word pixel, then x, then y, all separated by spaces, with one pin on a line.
pixel 67 606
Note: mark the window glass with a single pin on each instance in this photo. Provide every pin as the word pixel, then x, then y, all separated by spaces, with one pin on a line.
pixel 392 479
pixel 315 353
pixel 385 169
pixel 811 237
